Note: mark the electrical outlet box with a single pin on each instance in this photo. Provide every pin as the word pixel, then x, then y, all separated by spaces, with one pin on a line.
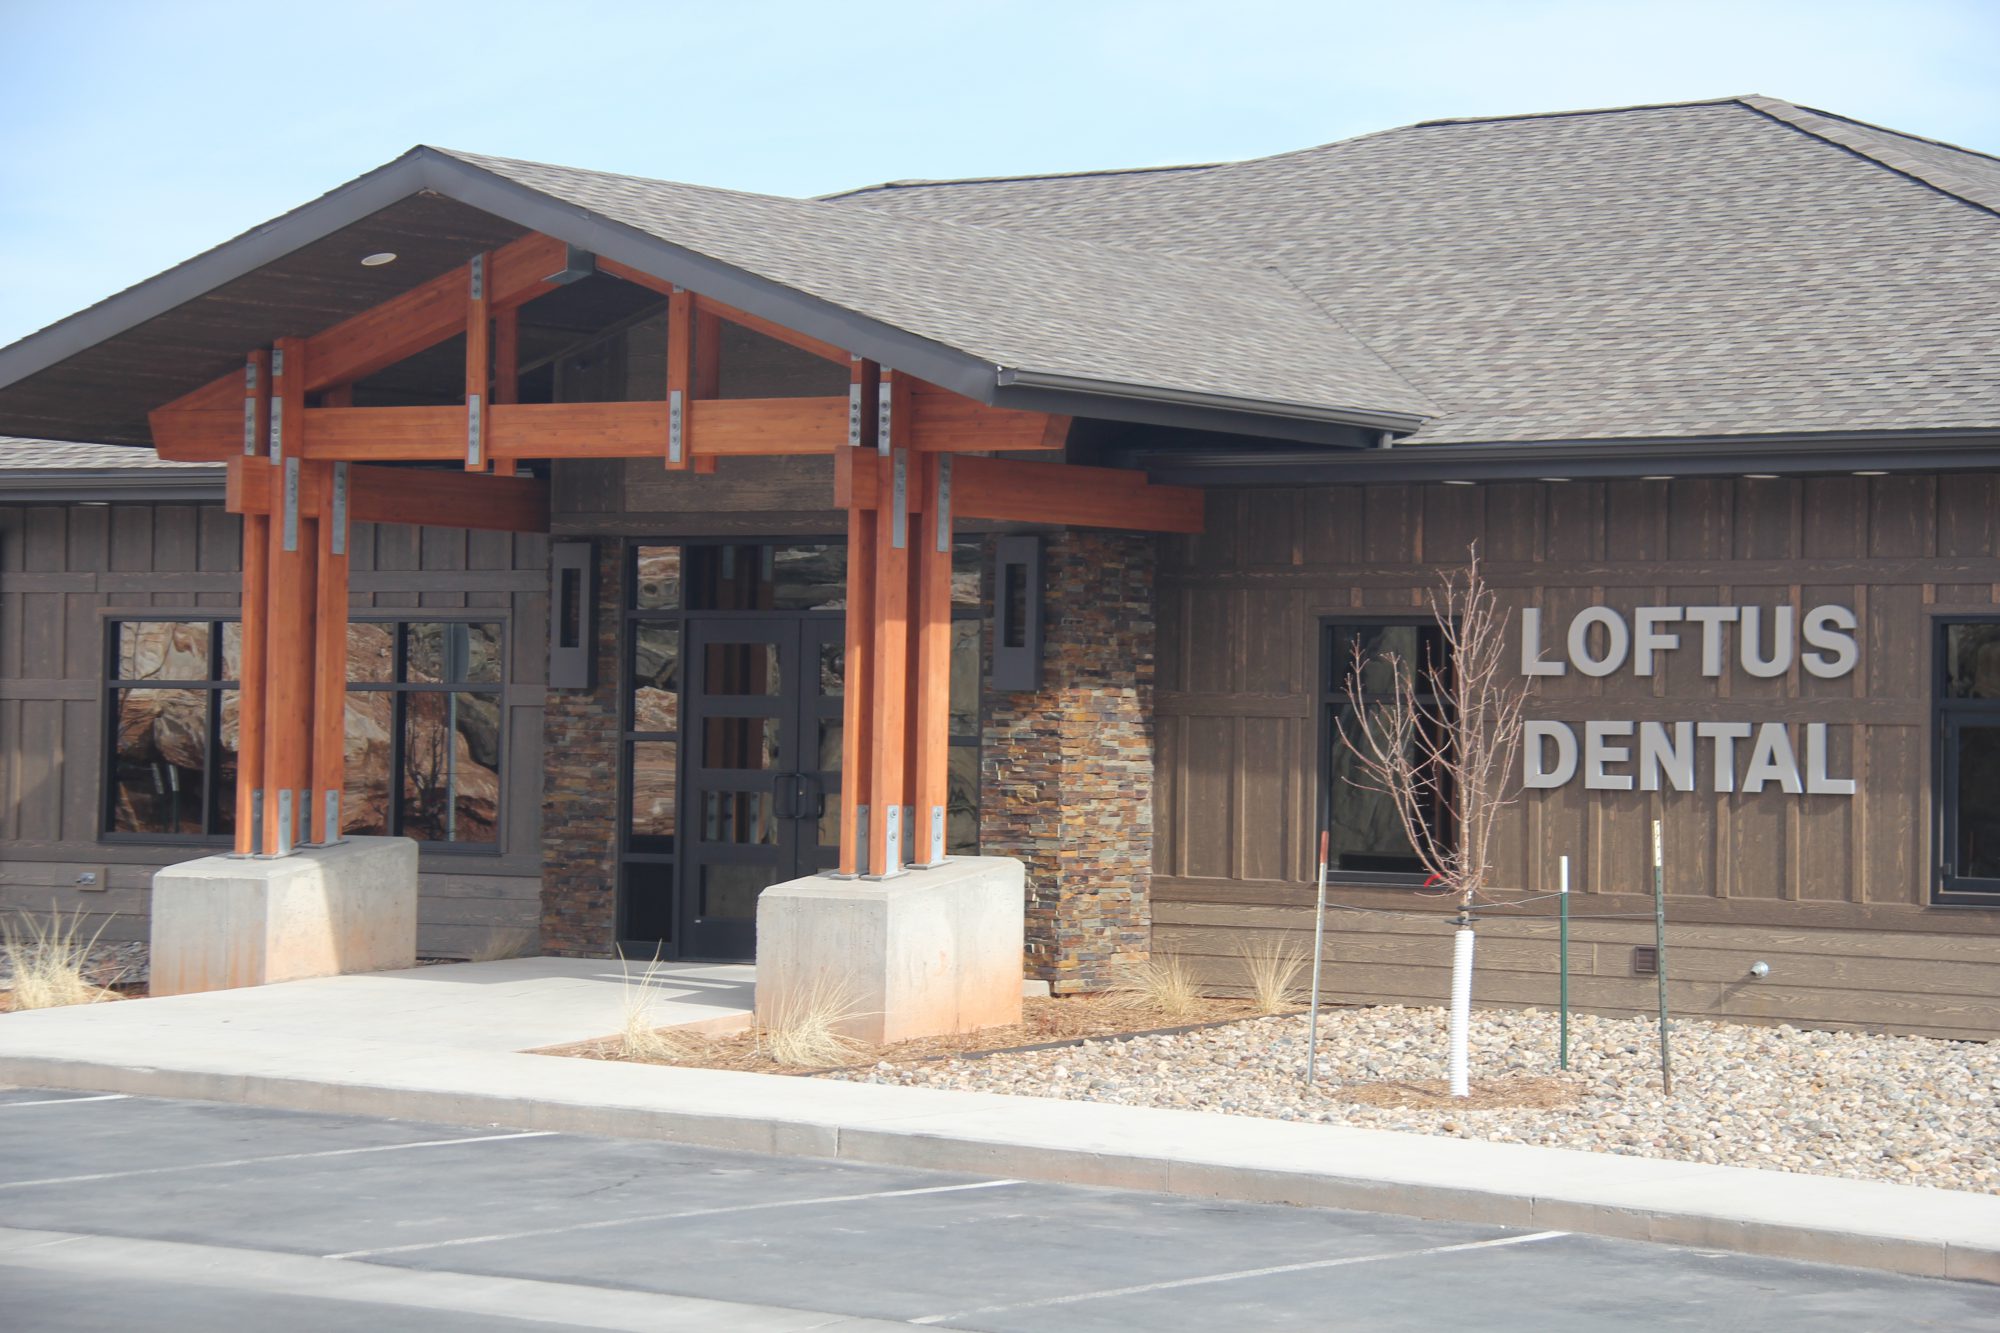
pixel 92 879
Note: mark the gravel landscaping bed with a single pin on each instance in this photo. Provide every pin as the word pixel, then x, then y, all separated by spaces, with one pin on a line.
pixel 1911 1110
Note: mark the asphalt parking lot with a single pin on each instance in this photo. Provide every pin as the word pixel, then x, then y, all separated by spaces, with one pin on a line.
pixel 119 1212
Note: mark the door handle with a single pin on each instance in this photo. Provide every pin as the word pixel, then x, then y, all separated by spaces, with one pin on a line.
pixel 811 799
pixel 783 786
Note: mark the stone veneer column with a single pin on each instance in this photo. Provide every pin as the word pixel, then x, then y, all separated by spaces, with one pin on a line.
pixel 1066 781
pixel 580 790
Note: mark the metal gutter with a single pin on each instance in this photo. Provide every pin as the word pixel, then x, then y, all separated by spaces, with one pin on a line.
pixel 1367 418
pixel 1581 460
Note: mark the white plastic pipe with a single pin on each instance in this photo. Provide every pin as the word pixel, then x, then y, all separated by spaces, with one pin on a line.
pixel 1461 1009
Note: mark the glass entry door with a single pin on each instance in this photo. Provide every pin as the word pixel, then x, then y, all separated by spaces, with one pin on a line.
pixel 760 770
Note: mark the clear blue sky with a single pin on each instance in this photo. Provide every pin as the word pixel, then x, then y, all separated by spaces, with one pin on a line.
pixel 135 133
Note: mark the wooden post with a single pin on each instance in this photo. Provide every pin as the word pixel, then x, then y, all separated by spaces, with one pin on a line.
pixel 707 368
pixel 290 606
pixel 329 739
pixel 478 364
pixel 889 736
pixel 930 684
pixel 506 369
pixel 680 376
pixel 250 658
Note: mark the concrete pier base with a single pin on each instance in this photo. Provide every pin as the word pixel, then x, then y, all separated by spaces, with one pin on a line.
pixel 929 952
pixel 226 921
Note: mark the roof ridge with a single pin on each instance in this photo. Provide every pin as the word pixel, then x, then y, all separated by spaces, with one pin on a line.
pixel 1580 111
pixel 1792 115
pixel 1089 173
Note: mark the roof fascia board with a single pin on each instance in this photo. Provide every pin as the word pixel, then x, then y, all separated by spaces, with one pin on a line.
pixel 105 486
pixel 213 268
pixel 1587 460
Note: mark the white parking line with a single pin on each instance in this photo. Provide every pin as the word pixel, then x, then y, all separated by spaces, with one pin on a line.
pixel 65 1101
pixel 603 1223
pixel 1240 1274
pixel 275 1157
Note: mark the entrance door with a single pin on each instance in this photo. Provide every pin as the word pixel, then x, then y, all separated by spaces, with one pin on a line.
pixel 760 770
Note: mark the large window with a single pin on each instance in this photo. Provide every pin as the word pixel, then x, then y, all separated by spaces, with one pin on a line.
pixel 1967 693
pixel 424 730
pixel 1367 843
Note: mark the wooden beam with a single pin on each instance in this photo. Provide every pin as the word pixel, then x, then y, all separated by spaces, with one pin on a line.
pixel 1065 494
pixel 724 427
pixel 329 703
pixel 757 324
pixel 947 422
pixel 478 363
pixel 679 449
pixel 930 683
pixel 438 497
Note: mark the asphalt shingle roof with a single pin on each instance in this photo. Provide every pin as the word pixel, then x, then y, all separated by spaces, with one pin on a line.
pixel 1052 304
pixel 1724 268
pixel 24 455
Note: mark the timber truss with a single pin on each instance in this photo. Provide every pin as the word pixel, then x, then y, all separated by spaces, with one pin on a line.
pixel 909 461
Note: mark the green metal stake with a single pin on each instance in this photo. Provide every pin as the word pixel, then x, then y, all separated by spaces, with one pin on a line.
pixel 1562 958
pixel 1660 956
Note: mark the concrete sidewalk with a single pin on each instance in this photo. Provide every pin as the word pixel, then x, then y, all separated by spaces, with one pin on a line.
pixel 447 1044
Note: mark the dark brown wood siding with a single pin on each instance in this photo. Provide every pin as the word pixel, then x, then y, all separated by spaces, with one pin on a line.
pixel 1837 885
pixel 65 570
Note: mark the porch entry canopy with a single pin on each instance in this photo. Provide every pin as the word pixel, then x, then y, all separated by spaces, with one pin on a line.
pixel 956 344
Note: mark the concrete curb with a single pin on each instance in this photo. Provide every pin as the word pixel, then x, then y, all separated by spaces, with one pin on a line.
pixel 1893 1228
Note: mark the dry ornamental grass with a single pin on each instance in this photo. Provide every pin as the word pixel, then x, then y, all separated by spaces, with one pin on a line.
pixel 49 961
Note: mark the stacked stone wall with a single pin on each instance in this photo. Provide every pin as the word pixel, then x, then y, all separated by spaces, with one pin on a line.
pixel 580 730
pixel 1067 771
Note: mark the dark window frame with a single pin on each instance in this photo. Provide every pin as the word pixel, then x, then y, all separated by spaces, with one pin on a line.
pixel 112 685
pixel 1947 888
pixel 1335 661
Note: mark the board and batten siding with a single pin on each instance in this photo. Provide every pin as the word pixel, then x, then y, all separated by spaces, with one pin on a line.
pixel 1831 891
pixel 66 570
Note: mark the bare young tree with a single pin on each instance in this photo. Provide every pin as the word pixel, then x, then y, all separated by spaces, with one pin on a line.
pixel 1447 737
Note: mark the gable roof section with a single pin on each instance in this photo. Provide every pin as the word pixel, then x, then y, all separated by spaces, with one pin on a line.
pixel 1015 320
pixel 1691 271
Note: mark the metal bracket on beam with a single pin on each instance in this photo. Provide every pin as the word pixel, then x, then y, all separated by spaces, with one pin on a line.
pixel 285 836
pixel 942 504
pixel 899 513
pixel 473 419
pixel 477 278
pixel 883 414
pixel 291 519
pixel 934 855
pixel 277 449
pixel 337 539
pixel 892 866
pixel 854 415
pixel 257 822
pixel 675 413
pixel 329 828
pixel 249 408
pixel 861 840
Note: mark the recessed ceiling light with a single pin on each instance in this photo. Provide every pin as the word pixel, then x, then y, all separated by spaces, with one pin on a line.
pixel 1552 479
pixel 1657 477
pixel 1760 476
pixel 1871 472
pixel 1457 481
pixel 379 258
